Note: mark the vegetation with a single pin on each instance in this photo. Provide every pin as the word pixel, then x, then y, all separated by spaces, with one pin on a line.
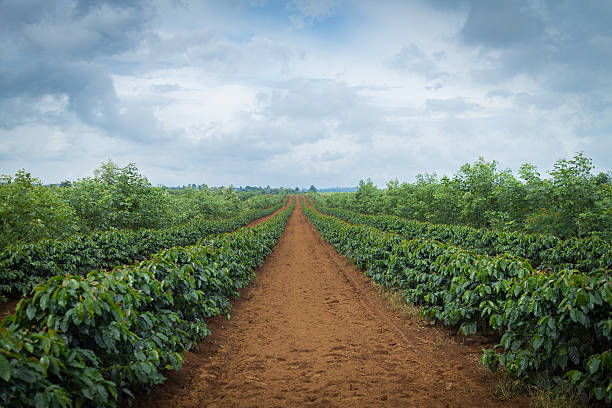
pixel 573 202
pixel 30 211
pixel 115 198
pixel 94 340
pixel 555 329
pixel 525 259
pixel 23 266
pixel 542 251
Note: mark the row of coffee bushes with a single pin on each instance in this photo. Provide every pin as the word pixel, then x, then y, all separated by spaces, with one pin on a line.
pixel 556 329
pixel 95 340
pixel 543 251
pixel 23 266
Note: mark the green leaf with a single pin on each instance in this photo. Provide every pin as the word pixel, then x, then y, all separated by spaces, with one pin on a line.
pixel 46 344
pixel 606 294
pixel 44 362
pixel 40 400
pixel 582 299
pixel 537 342
pixel 26 375
pixel 599 392
pixel 574 376
pixel 30 311
pixel 593 365
pixel 44 300
pixel 573 315
pixel 5 368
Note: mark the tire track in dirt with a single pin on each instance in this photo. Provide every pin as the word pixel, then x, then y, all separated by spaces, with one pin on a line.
pixel 312 331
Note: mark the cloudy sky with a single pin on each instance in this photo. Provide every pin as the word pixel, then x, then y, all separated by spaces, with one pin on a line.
pixel 300 92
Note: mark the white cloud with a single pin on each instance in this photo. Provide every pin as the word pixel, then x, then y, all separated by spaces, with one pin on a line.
pixel 231 92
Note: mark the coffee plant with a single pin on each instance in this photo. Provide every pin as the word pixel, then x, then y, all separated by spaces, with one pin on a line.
pixel 96 339
pixel 542 251
pixel 555 327
pixel 23 266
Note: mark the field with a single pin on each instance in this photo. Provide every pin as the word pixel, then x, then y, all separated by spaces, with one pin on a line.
pixel 313 331
pixel 308 327
pixel 305 203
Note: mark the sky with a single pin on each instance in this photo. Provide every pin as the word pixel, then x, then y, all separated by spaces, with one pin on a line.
pixel 300 92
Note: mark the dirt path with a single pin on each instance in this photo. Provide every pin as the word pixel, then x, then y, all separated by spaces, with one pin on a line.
pixel 312 331
pixel 258 221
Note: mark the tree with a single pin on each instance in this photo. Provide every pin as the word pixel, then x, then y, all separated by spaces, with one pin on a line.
pixel 603 178
pixel 477 183
pixel 30 211
pixel 312 189
pixel 574 192
pixel 571 202
pixel 117 197
pixel 368 199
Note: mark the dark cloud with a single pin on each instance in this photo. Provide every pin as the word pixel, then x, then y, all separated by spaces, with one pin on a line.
pixel 502 23
pixel 61 52
pixel 84 7
pixel 81 30
pixel 81 89
pixel 16 13
pixel 89 89
pixel 565 45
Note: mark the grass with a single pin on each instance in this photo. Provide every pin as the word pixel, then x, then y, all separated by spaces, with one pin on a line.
pixel 398 303
pixel 505 388
pixel 549 399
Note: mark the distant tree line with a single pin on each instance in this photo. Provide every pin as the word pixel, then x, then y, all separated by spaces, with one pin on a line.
pixel 337 189
pixel 571 202
pixel 115 197
pixel 240 189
